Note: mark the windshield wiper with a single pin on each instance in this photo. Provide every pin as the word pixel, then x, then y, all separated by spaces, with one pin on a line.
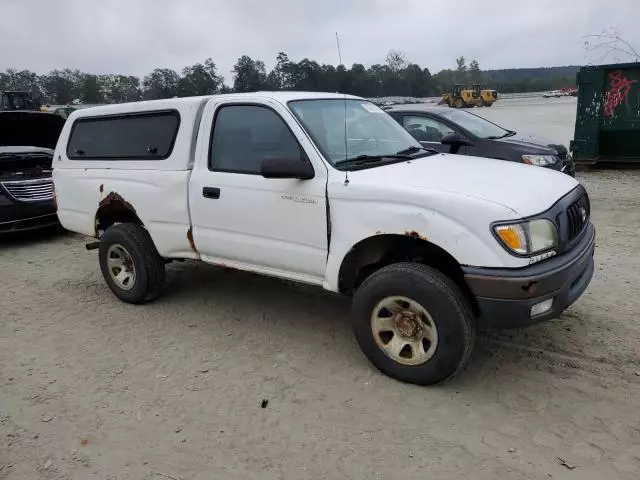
pixel 510 133
pixel 360 159
pixel 404 154
pixel 413 149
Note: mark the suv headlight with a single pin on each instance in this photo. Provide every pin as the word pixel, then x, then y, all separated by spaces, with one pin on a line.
pixel 528 238
pixel 539 160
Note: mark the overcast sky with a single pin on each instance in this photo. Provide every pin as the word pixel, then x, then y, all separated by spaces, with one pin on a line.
pixel 136 36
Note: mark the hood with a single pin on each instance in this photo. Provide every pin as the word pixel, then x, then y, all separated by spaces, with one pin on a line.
pixel 535 144
pixel 526 189
pixel 23 149
pixel 33 129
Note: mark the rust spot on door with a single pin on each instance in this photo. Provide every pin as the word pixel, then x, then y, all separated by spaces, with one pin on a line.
pixel 414 234
pixel 190 238
pixel 114 198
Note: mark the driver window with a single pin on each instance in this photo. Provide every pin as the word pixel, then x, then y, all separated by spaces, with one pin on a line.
pixel 244 135
pixel 425 129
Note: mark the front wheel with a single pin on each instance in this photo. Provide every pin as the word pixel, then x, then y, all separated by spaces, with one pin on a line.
pixel 130 263
pixel 413 323
pixel 480 102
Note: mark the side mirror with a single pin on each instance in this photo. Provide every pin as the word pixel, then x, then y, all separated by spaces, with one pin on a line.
pixel 454 139
pixel 286 167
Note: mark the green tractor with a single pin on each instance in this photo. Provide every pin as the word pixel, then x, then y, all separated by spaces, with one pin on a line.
pixel 18 100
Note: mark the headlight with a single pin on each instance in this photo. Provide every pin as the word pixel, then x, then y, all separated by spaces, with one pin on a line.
pixel 539 160
pixel 527 238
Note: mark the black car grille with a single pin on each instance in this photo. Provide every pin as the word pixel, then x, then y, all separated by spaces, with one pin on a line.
pixel 37 190
pixel 578 216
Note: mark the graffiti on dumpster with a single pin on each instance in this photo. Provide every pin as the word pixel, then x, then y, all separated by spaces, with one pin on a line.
pixel 617 93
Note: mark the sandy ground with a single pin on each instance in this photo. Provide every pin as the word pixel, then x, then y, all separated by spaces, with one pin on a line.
pixel 93 388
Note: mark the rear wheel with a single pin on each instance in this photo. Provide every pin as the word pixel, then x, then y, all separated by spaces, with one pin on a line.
pixel 413 323
pixel 130 263
pixel 480 102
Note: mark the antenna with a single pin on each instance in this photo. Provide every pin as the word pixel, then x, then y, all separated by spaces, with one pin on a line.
pixel 346 154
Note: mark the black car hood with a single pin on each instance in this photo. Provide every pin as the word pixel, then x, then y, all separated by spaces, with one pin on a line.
pixel 535 144
pixel 16 150
pixel 30 129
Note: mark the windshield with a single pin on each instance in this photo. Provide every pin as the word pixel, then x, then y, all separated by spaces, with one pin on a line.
pixel 478 126
pixel 368 129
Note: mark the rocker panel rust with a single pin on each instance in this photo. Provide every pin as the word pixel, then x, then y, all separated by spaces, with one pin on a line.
pixel 192 243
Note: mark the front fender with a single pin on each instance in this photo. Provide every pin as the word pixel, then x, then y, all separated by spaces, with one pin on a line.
pixel 469 244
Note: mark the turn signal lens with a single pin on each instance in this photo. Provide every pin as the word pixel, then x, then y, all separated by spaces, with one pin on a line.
pixel 528 238
pixel 513 236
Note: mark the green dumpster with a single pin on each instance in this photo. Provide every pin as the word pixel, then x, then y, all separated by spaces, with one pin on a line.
pixel 608 114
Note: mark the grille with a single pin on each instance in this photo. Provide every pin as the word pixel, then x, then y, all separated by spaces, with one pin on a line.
pixel 578 215
pixel 30 190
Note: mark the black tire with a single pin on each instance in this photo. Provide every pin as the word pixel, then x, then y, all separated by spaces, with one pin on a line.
pixel 147 262
pixel 444 302
pixel 480 102
pixel 488 104
pixel 458 103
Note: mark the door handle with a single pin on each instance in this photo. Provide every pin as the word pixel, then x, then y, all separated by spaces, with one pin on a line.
pixel 211 192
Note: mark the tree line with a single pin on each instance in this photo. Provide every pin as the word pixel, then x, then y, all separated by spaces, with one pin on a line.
pixel 395 77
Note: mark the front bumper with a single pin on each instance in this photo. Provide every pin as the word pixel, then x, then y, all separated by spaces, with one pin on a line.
pixel 505 296
pixel 20 216
pixel 30 223
pixel 568 166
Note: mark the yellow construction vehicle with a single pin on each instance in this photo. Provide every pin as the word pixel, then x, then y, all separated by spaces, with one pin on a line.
pixel 467 96
pixel 460 97
pixel 486 97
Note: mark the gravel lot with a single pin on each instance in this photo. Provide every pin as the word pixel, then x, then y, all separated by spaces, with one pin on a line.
pixel 94 388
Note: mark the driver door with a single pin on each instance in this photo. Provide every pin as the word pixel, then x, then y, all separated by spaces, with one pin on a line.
pixel 276 226
pixel 428 131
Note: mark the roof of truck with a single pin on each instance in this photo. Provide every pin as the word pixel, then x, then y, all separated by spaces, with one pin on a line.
pixel 167 103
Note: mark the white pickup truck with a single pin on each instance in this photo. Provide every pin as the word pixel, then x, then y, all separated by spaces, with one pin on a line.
pixel 329 190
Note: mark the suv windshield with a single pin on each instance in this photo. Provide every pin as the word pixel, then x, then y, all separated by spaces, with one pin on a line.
pixel 478 126
pixel 369 131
